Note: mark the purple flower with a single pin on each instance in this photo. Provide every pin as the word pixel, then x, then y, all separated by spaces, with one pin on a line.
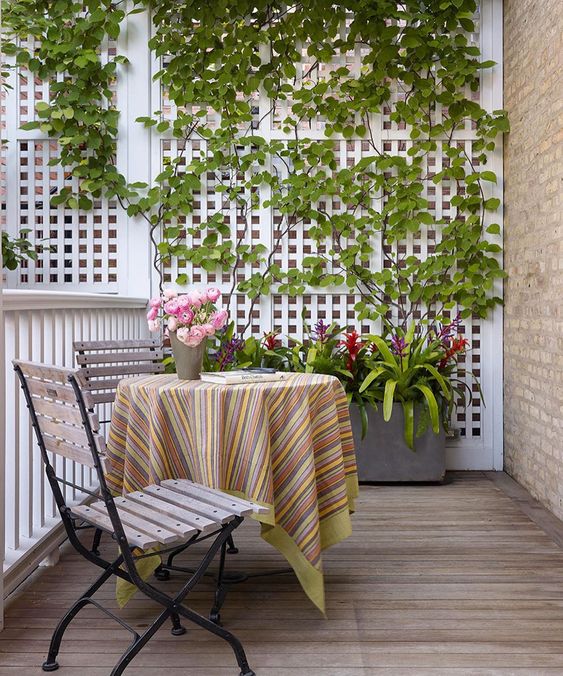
pixel 449 330
pixel 319 332
pixel 227 352
pixel 398 346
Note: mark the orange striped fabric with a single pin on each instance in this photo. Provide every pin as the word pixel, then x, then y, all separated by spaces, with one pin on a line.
pixel 287 445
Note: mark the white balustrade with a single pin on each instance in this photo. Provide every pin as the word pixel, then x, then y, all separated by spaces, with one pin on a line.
pixel 41 326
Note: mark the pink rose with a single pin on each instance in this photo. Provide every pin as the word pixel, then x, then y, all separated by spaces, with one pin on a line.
pixel 182 335
pixel 152 313
pixel 153 325
pixel 213 293
pixel 169 293
pixel 219 319
pixel 197 334
pixel 184 302
pixel 172 323
pixel 209 329
pixel 186 317
pixel 171 307
pixel 155 302
pixel 196 298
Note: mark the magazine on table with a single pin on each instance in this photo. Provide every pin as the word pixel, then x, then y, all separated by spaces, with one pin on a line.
pixel 243 376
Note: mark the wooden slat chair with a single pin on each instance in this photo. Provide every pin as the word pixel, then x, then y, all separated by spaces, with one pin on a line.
pixel 105 363
pixel 167 516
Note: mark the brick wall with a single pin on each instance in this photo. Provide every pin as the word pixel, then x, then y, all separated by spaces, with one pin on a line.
pixel 533 357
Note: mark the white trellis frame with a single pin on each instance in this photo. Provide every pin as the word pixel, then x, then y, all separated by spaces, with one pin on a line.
pixel 140 156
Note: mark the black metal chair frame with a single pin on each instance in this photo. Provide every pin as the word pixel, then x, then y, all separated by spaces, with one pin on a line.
pixel 173 606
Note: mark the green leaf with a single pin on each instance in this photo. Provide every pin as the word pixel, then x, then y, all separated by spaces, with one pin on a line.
pixel 408 412
pixel 432 406
pixel 388 395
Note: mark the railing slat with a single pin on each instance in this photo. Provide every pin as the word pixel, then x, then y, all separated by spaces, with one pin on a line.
pixel 42 326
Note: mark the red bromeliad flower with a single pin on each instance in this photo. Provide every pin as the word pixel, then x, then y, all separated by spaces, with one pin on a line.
pixel 457 345
pixel 270 340
pixel 352 344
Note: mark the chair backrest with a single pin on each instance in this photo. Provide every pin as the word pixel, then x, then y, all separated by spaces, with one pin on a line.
pixel 104 363
pixel 60 415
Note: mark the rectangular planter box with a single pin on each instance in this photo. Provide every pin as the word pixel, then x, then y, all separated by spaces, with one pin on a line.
pixel 383 456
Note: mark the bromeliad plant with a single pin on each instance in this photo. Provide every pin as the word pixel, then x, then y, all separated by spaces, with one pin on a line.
pixel 418 367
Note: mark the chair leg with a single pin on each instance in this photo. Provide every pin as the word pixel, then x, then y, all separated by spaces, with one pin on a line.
pixel 231 547
pixel 96 542
pixel 51 663
pixel 231 639
pixel 177 628
pixel 139 643
pixel 221 591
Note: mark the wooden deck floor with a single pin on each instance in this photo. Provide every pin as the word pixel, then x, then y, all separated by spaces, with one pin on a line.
pixel 465 578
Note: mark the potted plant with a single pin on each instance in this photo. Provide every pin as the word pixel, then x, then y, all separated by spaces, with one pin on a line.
pixel 415 379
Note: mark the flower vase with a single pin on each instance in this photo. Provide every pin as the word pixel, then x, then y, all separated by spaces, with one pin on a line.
pixel 189 360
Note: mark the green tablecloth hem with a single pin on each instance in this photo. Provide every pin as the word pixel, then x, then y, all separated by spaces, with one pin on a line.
pixel 352 490
pixel 310 578
pixel 124 591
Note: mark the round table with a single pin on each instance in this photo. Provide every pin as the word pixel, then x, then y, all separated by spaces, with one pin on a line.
pixel 285 444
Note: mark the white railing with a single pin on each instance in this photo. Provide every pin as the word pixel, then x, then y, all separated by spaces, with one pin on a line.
pixel 41 326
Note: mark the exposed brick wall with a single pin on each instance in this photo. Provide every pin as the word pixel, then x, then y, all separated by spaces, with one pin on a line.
pixel 533 358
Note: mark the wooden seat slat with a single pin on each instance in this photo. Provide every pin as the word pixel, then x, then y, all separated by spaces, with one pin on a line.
pixel 212 499
pixel 70 451
pixel 91 345
pixel 66 413
pixel 56 391
pixel 134 537
pixel 257 509
pixel 201 523
pixel 121 370
pixel 156 531
pixel 176 525
pixel 216 514
pixel 108 357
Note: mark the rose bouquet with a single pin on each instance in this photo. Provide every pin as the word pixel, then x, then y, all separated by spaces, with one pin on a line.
pixel 191 316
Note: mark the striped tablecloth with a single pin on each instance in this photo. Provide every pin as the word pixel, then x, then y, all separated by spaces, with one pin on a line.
pixel 287 445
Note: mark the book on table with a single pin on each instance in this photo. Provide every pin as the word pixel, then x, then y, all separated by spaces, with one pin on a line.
pixel 235 377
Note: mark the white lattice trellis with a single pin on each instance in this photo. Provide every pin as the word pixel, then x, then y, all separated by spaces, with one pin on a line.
pixel 103 250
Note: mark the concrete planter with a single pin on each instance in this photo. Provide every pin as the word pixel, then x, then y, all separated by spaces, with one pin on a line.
pixel 384 456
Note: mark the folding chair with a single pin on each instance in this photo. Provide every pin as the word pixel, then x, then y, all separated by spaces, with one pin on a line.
pixel 168 518
pixel 102 365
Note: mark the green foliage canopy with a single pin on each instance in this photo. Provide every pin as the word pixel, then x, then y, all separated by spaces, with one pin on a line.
pixel 220 62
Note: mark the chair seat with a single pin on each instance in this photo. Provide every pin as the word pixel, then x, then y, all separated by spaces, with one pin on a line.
pixel 173 512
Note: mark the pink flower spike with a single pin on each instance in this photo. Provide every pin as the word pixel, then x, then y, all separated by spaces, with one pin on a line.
pixel 153 325
pixel 169 293
pixel 172 324
pixel 209 329
pixel 219 319
pixel 152 313
pixel 213 293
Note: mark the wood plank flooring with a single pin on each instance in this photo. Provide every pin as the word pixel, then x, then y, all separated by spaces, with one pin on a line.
pixel 460 579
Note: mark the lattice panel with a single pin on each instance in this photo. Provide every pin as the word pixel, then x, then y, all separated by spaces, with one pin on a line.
pixel 283 313
pixel 75 247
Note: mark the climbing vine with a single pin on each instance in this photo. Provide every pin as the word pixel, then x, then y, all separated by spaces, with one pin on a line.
pixel 220 62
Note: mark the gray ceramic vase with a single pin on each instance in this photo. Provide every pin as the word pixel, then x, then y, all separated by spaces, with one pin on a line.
pixel 189 360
